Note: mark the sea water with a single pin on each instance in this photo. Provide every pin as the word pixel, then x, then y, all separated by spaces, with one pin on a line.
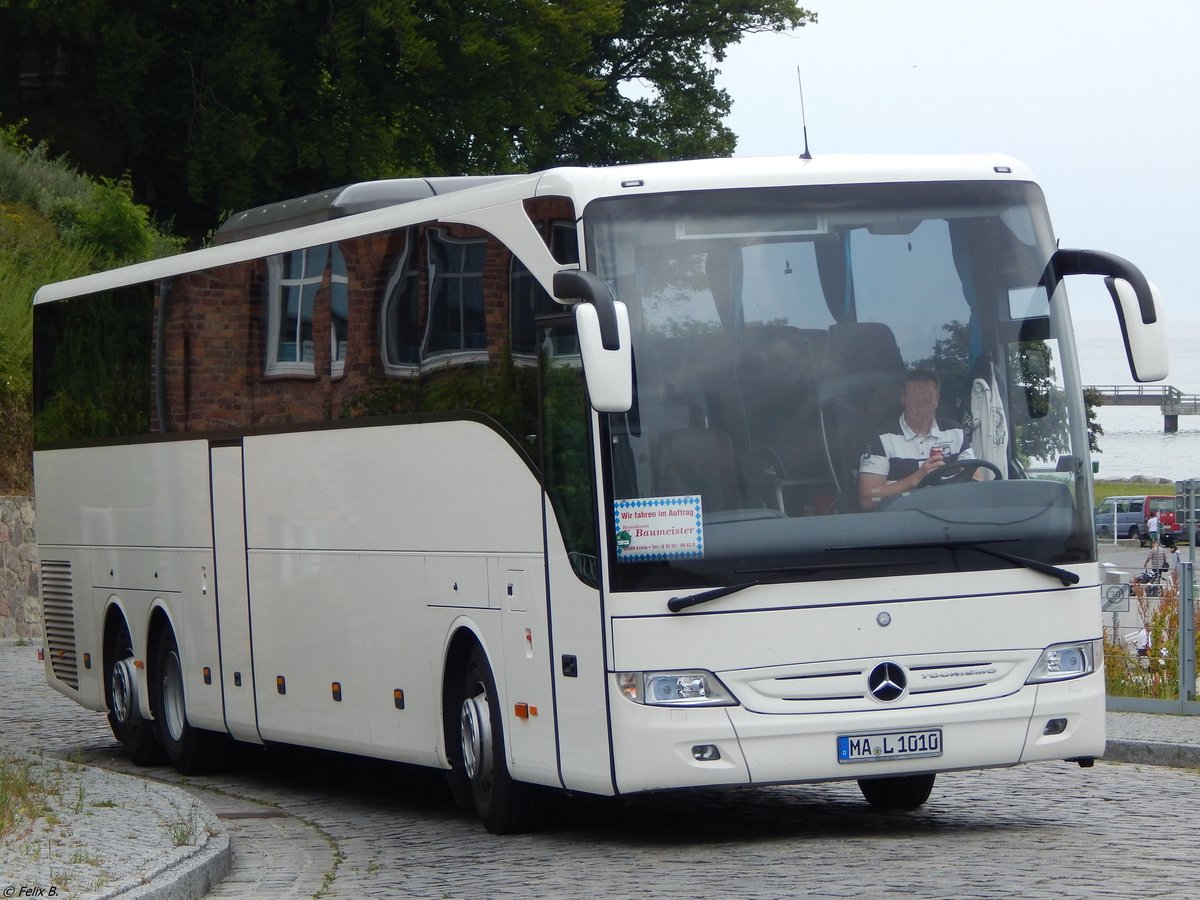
pixel 1134 443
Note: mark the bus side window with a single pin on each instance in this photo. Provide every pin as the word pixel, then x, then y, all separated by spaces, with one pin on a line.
pixel 567 469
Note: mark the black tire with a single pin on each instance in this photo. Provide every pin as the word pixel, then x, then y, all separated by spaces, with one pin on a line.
pixel 1135 535
pixel 899 792
pixel 478 766
pixel 191 750
pixel 1104 534
pixel 137 735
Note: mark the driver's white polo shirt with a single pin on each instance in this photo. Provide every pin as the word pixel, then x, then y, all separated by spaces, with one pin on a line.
pixel 897 455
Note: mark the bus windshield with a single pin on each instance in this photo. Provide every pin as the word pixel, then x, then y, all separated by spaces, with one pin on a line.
pixel 776 335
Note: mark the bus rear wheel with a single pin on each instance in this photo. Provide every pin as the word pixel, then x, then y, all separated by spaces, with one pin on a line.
pixel 505 806
pixel 898 792
pixel 191 750
pixel 136 734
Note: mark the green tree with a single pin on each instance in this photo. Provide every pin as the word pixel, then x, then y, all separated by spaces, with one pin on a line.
pixel 221 105
pixel 668 50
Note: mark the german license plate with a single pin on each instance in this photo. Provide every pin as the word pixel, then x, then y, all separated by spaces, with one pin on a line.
pixel 853 748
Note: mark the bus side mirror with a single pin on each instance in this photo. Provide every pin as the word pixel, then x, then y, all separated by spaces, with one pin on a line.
pixel 1139 307
pixel 1145 344
pixel 602 325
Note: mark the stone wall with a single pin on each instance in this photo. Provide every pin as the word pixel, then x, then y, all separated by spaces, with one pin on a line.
pixel 20 607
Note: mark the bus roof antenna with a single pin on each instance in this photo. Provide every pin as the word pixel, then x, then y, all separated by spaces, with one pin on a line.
pixel 803 117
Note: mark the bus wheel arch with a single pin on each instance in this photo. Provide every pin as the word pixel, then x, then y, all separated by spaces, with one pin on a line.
pixel 473 731
pixel 122 693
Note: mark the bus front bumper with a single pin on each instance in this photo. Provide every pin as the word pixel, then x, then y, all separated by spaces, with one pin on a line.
pixel 662 748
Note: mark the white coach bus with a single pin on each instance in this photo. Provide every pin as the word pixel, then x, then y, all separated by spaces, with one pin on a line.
pixel 551 480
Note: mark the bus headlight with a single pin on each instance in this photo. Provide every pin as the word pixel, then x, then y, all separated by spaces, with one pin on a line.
pixel 1059 662
pixel 691 688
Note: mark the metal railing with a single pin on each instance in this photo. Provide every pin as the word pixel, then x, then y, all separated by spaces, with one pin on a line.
pixel 1163 679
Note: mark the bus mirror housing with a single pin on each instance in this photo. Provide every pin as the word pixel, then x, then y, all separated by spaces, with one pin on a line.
pixel 602 324
pixel 1145 344
pixel 1139 307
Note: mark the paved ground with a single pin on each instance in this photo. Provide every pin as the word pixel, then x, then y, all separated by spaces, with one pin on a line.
pixel 303 824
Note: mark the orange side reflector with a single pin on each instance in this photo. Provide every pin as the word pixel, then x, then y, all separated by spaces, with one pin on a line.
pixel 87 660
pixel 207 673
pixel 398 698
pixel 138 664
pixel 280 684
pixel 522 710
pixel 336 687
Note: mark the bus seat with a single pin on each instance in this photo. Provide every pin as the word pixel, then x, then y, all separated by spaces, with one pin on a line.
pixel 778 372
pixel 860 394
pixel 698 461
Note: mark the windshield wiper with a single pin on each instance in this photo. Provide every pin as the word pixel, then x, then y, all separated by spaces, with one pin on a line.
pixel 675 604
pixel 1065 576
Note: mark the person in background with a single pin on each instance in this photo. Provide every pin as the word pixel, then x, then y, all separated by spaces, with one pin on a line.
pixel 1142 642
pixel 1152 526
pixel 1156 559
pixel 1175 560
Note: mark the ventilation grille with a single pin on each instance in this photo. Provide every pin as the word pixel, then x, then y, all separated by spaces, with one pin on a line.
pixel 58 611
pixel 932 679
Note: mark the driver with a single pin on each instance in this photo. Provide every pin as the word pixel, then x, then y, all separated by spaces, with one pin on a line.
pixel 898 461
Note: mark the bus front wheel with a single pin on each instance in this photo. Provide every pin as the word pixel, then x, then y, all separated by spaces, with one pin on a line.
pixel 505 806
pixel 898 792
pixel 191 750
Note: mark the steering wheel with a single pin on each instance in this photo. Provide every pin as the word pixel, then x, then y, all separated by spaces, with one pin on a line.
pixel 957 472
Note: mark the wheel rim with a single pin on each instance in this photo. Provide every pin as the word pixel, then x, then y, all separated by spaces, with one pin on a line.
pixel 124 691
pixel 475 734
pixel 173 709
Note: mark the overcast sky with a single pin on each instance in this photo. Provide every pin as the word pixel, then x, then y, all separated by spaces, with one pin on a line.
pixel 1099 98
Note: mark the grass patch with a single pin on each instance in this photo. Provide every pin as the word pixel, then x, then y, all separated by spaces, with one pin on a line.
pixel 23 794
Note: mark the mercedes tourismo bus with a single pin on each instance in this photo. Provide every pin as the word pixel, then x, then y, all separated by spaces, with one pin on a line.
pixel 550 480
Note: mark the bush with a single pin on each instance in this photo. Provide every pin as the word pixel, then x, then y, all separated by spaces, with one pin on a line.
pixel 31 254
pixel 109 222
pixel 55 224
pixel 1156 675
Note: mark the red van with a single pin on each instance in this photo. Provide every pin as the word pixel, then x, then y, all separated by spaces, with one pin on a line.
pixel 1164 506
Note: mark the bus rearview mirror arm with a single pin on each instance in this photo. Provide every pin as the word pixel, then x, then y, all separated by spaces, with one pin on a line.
pixel 602 325
pixel 1095 262
pixel 577 284
pixel 1138 304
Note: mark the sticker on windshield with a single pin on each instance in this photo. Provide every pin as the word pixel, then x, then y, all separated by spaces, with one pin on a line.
pixel 654 528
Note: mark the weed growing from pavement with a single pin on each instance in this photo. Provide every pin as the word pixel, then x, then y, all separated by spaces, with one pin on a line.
pixel 183 830
pixel 23 794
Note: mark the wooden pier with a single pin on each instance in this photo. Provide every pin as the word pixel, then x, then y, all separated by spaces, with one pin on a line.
pixel 1169 399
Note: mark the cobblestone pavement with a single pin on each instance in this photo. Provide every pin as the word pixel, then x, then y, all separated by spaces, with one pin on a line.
pixel 315 824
